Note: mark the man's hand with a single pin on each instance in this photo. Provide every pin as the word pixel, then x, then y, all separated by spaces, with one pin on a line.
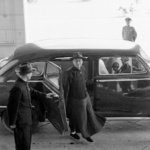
pixel 13 126
pixel 51 95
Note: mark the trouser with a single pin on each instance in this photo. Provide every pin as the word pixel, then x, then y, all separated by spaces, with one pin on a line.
pixel 22 136
pixel 71 125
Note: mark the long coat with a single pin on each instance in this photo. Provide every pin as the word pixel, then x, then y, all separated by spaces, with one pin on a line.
pixel 78 103
pixel 19 104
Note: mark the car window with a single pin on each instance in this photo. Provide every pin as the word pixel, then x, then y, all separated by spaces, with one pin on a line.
pixel 52 74
pixel 39 66
pixel 63 62
pixel 120 65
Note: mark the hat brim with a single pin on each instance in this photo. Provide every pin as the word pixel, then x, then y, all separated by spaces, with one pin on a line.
pixel 83 58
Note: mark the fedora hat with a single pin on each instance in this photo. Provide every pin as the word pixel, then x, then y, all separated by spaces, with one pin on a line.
pixel 25 68
pixel 77 55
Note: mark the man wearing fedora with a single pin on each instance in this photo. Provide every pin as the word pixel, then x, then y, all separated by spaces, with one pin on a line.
pixel 19 106
pixel 125 68
pixel 128 32
pixel 82 118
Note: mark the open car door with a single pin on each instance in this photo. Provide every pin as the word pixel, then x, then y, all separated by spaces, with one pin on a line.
pixel 56 112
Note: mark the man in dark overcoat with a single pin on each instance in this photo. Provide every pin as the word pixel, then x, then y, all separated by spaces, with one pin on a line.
pixel 82 118
pixel 19 107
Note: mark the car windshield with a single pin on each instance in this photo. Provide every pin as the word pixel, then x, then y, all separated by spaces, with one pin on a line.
pixel 7 66
pixel 5 60
pixel 145 57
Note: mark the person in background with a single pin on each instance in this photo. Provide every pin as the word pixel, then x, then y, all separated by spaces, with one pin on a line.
pixel 115 67
pixel 125 68
pixel 115 70
pixel 19 107
pixel 82 118
pixel 128 32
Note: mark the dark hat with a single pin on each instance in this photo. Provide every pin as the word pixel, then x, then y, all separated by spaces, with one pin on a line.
pixel 128 19
pixel 25 68
pixel 77 55
pixel 115 64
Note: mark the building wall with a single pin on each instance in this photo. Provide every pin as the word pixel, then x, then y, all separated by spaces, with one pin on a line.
pixel 12 28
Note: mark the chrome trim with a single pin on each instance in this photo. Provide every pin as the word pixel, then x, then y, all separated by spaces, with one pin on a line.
pixel 11 81
pixel 28 81
pixel 127 118
pixel 51 82
pixel 108 80
pixel 3 106
pixel 54 64
pixel 49 88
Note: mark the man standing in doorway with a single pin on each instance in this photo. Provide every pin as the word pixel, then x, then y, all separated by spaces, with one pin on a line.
pixel 82 118
pixel 20 108
pixel 128 32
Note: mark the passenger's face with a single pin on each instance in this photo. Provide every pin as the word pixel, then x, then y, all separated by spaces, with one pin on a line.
pixel 77 62
pixel 115 68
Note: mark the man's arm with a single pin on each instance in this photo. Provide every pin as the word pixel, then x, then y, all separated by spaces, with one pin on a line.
pixel 40 96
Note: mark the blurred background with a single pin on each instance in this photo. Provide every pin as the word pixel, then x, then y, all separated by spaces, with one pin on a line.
pixel 24 21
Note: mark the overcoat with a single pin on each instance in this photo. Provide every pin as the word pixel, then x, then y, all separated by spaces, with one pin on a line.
pixel 19 104
pixel 78 103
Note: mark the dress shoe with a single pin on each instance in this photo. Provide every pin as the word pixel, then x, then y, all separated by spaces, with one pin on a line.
pixel 75 136
pixel 89 139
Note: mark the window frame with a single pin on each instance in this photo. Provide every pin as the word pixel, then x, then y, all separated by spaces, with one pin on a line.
pixel 122 74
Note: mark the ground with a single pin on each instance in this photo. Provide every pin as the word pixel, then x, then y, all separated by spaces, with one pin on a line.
pixel 116 135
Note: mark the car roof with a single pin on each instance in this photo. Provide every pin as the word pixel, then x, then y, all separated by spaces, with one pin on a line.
pixel 68 46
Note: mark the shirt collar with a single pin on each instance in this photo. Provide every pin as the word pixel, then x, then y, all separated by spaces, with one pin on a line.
pixel 21 80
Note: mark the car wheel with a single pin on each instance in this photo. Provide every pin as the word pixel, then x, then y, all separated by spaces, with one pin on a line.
pixel 4 119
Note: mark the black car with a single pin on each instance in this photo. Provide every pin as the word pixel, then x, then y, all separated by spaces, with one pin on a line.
pixel 117 93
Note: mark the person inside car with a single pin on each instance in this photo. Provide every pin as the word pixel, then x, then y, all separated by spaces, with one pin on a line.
pixel 115 67
pixel 125 68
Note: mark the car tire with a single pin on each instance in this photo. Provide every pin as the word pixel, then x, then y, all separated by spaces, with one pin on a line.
pixel 4 119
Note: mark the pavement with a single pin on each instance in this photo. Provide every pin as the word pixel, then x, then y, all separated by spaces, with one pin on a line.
pixel 116 135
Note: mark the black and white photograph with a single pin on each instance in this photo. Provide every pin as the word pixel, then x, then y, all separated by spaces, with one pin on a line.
pixel 74 75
